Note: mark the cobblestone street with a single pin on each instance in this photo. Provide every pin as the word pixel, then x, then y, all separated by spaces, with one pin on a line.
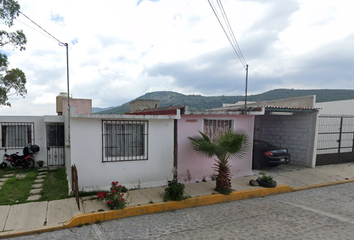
pixel 321 213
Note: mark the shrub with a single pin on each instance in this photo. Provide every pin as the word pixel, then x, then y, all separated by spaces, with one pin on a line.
pixel 265 178
pixel 174 191
pixel 114 198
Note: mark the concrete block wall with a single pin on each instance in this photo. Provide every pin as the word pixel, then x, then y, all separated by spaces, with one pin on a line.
pixel 295 132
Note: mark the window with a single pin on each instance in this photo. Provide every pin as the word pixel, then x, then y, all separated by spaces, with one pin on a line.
pixel 124 140
pixel 16 135
pixel 214 127
pixel 55 135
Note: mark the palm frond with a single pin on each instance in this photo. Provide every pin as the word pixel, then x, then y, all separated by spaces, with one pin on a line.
pixel 202 146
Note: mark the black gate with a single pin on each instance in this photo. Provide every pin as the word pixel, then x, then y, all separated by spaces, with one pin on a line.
pixel 55 145
pixel 335 140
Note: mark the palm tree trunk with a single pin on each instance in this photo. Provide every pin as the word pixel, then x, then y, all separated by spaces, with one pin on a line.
pixel 223 182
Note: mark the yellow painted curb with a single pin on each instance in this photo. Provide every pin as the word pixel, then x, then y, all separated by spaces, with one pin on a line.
pixel 323 184
pixel 96 217
pixel 16 233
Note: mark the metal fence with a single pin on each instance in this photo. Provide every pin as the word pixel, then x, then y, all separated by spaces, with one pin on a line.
pixel 335 143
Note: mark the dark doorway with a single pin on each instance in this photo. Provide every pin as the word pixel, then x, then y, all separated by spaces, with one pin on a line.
pixel 55 144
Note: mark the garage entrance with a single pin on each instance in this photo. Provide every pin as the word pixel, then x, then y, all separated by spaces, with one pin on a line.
pixel 335 140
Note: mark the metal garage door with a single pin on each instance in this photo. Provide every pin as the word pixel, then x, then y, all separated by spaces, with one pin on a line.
pixel 335 140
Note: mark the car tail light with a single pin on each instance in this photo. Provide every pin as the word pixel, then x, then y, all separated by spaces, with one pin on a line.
pixel 268 153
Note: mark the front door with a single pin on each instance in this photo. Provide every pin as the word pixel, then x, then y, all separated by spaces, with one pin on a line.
pixel 55 144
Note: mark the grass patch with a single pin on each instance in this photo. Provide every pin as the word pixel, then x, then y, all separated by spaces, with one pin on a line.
pixel 55 185
pixel 16 190
pixel 11 170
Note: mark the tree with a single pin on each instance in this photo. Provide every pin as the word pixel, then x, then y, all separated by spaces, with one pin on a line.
pixel 227 145
pixel 12 81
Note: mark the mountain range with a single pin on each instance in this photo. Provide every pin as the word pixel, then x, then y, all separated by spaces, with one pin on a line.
pixel 199 102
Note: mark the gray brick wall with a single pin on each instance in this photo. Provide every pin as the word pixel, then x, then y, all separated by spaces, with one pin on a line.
pixel 295 132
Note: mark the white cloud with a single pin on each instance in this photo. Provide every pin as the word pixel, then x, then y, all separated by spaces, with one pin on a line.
pixel 119 50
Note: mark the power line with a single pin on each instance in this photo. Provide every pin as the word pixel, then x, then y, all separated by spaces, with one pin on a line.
pixel 35 29
pixel 230 35
pixel 67 71
pixel 232 39
pixel 60 43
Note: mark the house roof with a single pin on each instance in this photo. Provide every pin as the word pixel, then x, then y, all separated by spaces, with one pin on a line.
pixel 170 110
pixel 290 109
pixel 173 110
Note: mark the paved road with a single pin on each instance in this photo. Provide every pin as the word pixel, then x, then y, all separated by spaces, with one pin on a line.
pixel 322 213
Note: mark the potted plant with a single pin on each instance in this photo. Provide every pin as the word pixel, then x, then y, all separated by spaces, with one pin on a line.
pixel 40 163
pixel 265 180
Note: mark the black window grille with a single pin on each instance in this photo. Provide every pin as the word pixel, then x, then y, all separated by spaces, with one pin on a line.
pixel 124 140
pixel 16 134
pixel 55 135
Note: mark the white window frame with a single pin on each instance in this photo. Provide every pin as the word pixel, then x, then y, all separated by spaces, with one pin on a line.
pixel 120 146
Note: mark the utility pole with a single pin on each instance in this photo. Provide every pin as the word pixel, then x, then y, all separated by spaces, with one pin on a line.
pixel 246 87
pixel 67 77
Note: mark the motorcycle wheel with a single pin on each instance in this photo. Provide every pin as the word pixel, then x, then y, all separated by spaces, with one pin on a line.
pixel 3 165
pixel 30 163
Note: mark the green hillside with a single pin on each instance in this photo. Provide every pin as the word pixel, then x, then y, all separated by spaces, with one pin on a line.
pixel 198 102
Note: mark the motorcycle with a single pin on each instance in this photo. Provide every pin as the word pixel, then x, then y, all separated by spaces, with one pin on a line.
pixel 26 160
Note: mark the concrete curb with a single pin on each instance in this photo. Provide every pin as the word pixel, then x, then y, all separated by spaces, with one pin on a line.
pixel 323 184
pixel 97 217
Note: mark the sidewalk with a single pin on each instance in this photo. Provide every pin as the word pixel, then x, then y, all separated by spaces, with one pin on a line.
pixel 37 217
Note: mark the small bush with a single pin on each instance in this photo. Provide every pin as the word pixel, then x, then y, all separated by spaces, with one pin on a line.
pixel 114 198
pixel 265 178
pixel 174 191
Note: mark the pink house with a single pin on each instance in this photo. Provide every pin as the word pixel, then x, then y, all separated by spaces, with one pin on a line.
pixel 191 167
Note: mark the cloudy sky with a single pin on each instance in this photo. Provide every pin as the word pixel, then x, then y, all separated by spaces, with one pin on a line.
pixel 120 50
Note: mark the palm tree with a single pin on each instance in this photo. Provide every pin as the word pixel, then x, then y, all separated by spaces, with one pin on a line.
pixel 227 145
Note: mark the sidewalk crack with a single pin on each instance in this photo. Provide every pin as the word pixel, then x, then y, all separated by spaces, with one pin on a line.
pixel 7 216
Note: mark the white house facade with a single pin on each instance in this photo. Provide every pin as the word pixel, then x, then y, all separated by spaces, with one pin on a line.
pixel 18 131
pixel 137 151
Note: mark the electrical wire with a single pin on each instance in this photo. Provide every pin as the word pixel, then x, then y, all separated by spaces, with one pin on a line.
pixel 34 29
pixel 227 30
pixel 60 43
pixel 231 32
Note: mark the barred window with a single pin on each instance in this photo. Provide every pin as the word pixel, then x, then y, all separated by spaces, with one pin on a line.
pixel 16 135
pixel 124 140
pixel 214 127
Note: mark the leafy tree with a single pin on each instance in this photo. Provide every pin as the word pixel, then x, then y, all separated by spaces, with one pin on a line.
pixel 12 81
pixel 227 145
